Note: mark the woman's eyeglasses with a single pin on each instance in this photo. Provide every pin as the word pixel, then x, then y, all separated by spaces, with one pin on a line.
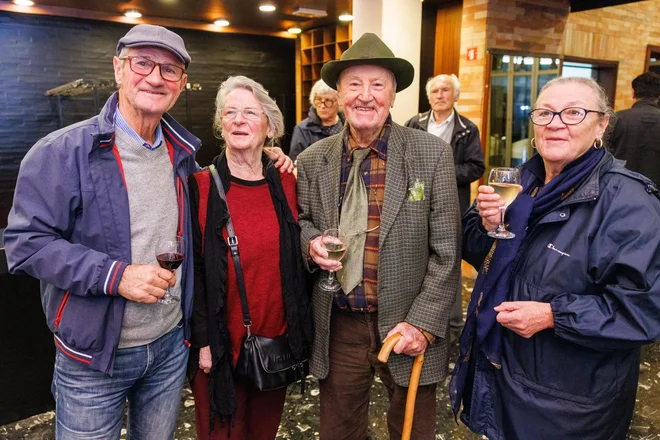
pixel 248 113
pixel 569 116
pixel 324 102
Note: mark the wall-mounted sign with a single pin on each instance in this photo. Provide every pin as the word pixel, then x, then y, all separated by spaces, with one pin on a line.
pixel 472 53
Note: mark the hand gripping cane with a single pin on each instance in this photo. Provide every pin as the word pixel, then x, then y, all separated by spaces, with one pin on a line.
pixel 384 354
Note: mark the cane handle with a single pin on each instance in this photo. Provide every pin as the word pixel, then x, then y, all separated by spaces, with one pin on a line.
pixel 387 347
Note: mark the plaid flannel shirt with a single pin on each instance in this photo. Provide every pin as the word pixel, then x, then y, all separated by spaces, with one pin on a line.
pixel 364 298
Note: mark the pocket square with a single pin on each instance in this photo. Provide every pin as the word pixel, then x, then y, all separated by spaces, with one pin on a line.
pixel 416 191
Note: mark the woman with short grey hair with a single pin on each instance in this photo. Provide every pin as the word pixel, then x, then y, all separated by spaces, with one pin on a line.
pixel 262 205
pixel 323 119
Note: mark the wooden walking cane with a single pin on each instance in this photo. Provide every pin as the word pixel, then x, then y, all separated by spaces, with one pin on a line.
pixel 383 356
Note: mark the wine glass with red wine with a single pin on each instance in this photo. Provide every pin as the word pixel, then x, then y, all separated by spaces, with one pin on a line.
pixel 169 253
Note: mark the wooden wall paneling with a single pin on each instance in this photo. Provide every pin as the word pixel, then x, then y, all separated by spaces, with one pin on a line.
pixel 448 39
pixel 427 52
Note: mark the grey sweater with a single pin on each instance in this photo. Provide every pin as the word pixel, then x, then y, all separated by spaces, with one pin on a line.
pixel 153 209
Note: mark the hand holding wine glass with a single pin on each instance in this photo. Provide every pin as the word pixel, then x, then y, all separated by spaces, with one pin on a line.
pixel 506 183
pixel 169 253
pixel 332 242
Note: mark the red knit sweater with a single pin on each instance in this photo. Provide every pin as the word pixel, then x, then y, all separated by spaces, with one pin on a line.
pixel 258 232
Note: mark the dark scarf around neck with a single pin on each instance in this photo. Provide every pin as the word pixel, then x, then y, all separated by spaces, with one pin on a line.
pixel 294 287
pixel 482 335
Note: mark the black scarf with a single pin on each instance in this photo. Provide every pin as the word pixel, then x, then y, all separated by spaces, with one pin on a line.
pixel 294 288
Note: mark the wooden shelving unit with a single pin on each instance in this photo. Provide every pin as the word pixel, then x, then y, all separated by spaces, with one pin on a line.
pixel 317 47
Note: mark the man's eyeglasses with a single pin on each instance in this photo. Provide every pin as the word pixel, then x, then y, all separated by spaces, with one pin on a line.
pixel 569 116
pixel 144 66
pixel 248 113
pixel 324 102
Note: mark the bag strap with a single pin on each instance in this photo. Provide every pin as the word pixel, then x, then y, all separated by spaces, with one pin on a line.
pixel 232 241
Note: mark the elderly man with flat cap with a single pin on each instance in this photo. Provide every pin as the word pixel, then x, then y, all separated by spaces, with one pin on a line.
pixel 391 192
pixel 92 203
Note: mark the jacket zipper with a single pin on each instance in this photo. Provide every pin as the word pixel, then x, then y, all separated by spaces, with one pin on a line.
pixel 58 317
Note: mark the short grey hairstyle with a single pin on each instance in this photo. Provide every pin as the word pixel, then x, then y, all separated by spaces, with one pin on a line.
pixel 455 83
pixel 319 88
pixel 271 110
pixel 599 92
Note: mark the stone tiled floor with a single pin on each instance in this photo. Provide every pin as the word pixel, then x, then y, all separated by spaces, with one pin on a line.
pixel 301 413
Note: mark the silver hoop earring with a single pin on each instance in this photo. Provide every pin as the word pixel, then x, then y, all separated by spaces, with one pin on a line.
pixel 598 143
pixel 533 143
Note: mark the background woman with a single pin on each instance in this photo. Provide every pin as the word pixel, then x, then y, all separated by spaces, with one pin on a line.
pixel 262 205
pixel 552 341
pixel 323 119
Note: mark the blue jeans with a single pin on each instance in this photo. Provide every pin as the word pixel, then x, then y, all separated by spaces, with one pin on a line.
pixel 90 404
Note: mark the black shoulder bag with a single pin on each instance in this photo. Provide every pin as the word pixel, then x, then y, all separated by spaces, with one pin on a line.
pixel 268 363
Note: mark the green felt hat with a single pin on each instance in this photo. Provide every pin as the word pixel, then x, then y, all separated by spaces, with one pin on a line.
pixel 369 49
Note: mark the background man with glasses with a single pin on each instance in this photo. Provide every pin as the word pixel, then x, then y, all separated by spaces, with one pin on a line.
pixel 91 202
pixel 323 119
pixel 394 190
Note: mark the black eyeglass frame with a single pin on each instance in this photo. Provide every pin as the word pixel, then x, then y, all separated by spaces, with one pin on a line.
pixel 586 112
pixel 160 67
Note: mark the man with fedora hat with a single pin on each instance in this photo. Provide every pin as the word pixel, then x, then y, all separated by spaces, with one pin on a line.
pixel 91 204
pixel 391 191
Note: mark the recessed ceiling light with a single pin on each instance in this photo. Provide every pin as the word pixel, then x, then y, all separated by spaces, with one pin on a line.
pixel 133 13
pixel 221 22
pixel 346 17
pixel 267 7
pixel 294 30
pixel 24 2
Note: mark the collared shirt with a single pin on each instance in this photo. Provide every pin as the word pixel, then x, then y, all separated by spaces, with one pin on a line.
pixel 444 129
pixel 121 123
pixel 364 298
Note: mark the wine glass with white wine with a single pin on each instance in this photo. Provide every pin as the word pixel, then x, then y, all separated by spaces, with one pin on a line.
pixel 332 242
pixel 506 183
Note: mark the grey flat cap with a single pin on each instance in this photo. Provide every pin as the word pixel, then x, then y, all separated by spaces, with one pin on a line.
pixel 150 35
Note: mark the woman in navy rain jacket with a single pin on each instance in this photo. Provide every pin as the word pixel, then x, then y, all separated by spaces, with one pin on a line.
pixel 551 345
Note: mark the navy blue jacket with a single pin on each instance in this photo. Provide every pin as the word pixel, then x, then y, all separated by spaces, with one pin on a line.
pixel 596 260
pixel 70 228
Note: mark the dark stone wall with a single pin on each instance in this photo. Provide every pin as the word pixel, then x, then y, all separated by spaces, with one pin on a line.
pixel 40 53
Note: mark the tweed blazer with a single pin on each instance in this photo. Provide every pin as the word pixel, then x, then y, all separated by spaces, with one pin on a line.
pixel 419 244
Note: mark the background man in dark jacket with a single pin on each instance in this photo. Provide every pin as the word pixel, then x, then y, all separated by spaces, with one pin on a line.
pixel 463 136
pixel 636 133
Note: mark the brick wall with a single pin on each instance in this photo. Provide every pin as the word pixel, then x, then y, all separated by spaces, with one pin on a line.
pixel 523 26
pixel 473 73
pixel 616 33
pixel 40 53
pixel 531 26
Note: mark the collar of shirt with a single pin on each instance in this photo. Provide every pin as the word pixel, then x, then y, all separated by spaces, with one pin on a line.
pixel 379 145
pixel 442 129
pixel 121 123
